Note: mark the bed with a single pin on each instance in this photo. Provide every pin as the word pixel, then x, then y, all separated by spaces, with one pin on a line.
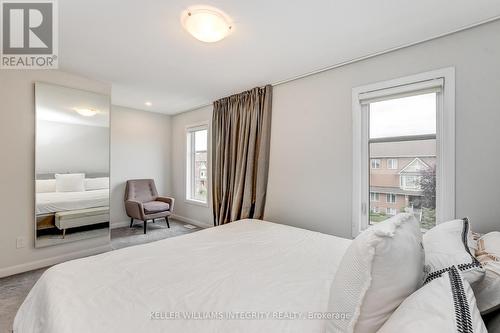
pixel 51 202
pixel 228 272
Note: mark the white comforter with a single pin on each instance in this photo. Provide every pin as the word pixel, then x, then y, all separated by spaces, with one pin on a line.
pixel 237 269
pixel 63 201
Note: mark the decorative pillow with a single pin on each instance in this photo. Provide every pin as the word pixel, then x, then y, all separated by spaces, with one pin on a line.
pixel 381 267
pixel 446 304
pixel 489 245
pixel 451 244
pixel 92 184
pixel 70 182
pixel 488 290
pixel 45 185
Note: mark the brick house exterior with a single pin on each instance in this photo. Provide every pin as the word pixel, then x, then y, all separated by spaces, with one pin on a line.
pixel 396 169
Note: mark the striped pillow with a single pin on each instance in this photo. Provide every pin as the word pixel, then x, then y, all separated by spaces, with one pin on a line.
pixel 445 304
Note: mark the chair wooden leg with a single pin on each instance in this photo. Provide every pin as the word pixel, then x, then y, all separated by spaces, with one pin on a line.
pixel 145 225
pixel 154 221
pixel 166 219
pixel 131 222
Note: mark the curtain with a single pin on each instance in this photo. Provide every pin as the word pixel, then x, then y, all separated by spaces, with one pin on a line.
pixel 241 130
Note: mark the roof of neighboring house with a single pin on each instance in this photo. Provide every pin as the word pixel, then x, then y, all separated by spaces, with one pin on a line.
pixel 413 168
pixel 420 148
pixel 394 190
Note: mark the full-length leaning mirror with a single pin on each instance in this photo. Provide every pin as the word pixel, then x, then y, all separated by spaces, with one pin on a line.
pixel 71 165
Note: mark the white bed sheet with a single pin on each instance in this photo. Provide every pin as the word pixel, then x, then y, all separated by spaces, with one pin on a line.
pixel 247 265
pixel 63 201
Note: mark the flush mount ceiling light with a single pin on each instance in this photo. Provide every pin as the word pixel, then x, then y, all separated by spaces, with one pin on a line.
pixel 206 24
pixel 86 112
pixel 148 103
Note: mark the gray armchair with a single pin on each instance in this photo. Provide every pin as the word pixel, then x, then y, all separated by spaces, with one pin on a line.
pixel 143 203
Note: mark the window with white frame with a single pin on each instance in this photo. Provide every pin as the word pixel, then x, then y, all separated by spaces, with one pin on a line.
pixel 197 164
pixel 375 163
pixel 390 211
pixel 411 183
pixel 390 198
pixel 374 196
pixel 392 163
pixel 412 119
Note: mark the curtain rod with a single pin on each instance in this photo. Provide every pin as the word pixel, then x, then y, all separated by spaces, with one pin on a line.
pixel 369 56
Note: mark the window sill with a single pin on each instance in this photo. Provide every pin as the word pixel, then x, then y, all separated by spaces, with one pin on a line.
pixel 196 202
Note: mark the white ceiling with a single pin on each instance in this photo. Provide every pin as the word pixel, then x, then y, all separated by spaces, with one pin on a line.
pixel 141 48
pixel 58 104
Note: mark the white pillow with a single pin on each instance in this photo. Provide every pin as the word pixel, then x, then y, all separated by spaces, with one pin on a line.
pixel 446 304
pixel 70 182
pixel 451 244
pixel 100 183
pixel 45 185
pixel 381 267
pixel 488 290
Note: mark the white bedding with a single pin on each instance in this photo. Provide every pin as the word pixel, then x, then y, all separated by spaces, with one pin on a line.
pixel 52 202
pixel 247 265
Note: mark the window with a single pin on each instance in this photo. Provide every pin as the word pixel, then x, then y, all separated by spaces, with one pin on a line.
pixel 374 196
pixel 391 198
pixel 375 164
pixel 390 211
pixel 392 163
pixel 411 183
pixel 411 120
pixel 197 164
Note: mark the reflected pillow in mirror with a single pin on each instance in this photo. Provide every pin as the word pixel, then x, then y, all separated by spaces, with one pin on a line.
pixel 70 182
pixel 45 185
pixel 92 184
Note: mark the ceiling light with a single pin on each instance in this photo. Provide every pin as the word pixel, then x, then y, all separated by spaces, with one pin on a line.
pixel 148 103
pixel 206 24
pixel 86 112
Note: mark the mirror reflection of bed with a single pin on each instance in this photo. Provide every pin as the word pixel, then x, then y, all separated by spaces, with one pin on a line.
pixel 68 216
pixel 72 165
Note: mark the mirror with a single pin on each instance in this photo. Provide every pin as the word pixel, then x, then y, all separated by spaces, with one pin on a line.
pixel 71 165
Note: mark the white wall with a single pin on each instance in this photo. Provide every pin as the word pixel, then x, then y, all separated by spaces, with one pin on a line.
pixel 66 148
pixel 140 148
pixel 17 146
pixel 186 211
pixel 311 156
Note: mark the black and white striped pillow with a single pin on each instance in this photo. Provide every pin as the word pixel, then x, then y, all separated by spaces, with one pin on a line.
pixel 445 304
pixel 451 244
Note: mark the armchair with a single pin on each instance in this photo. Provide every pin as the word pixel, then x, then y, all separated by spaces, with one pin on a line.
pixel 142 202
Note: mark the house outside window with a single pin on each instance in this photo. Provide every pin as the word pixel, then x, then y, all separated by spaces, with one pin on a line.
pixel 197 164
pixel 374 196
pixel 391 198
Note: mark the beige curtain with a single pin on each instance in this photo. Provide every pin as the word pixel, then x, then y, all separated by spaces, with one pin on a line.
pixel 241 130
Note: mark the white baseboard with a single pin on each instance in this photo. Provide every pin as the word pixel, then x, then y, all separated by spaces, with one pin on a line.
pixel 29 266
pixel 191 221
pixel 120 224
